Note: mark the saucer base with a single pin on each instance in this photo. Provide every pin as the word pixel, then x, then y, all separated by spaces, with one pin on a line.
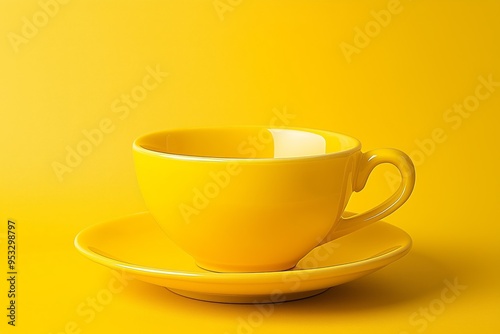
pixel 250 299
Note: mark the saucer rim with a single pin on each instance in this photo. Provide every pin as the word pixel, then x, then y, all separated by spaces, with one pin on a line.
pixel 318 273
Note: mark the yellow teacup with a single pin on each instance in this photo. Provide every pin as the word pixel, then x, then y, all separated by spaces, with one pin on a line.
pixel 249 199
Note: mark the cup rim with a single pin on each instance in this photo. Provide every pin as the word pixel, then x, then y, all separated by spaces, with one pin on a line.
pixel 138 148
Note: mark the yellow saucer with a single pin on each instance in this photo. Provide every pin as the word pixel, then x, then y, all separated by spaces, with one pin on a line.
pixel 137 245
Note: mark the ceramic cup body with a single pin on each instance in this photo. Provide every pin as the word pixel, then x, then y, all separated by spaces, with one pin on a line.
pixel 249 199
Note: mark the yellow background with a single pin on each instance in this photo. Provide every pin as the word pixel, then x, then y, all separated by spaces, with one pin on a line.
pixel 263 56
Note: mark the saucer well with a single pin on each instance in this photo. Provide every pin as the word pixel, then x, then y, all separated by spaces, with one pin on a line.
pixel 136 245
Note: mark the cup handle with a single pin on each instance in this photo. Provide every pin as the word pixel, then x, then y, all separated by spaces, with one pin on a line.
pixel 369 160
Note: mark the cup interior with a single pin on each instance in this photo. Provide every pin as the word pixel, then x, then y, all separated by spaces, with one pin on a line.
pixel 247 142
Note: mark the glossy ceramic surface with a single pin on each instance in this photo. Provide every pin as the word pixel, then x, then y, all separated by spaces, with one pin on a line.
pixel 137 245
pixel 250 199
